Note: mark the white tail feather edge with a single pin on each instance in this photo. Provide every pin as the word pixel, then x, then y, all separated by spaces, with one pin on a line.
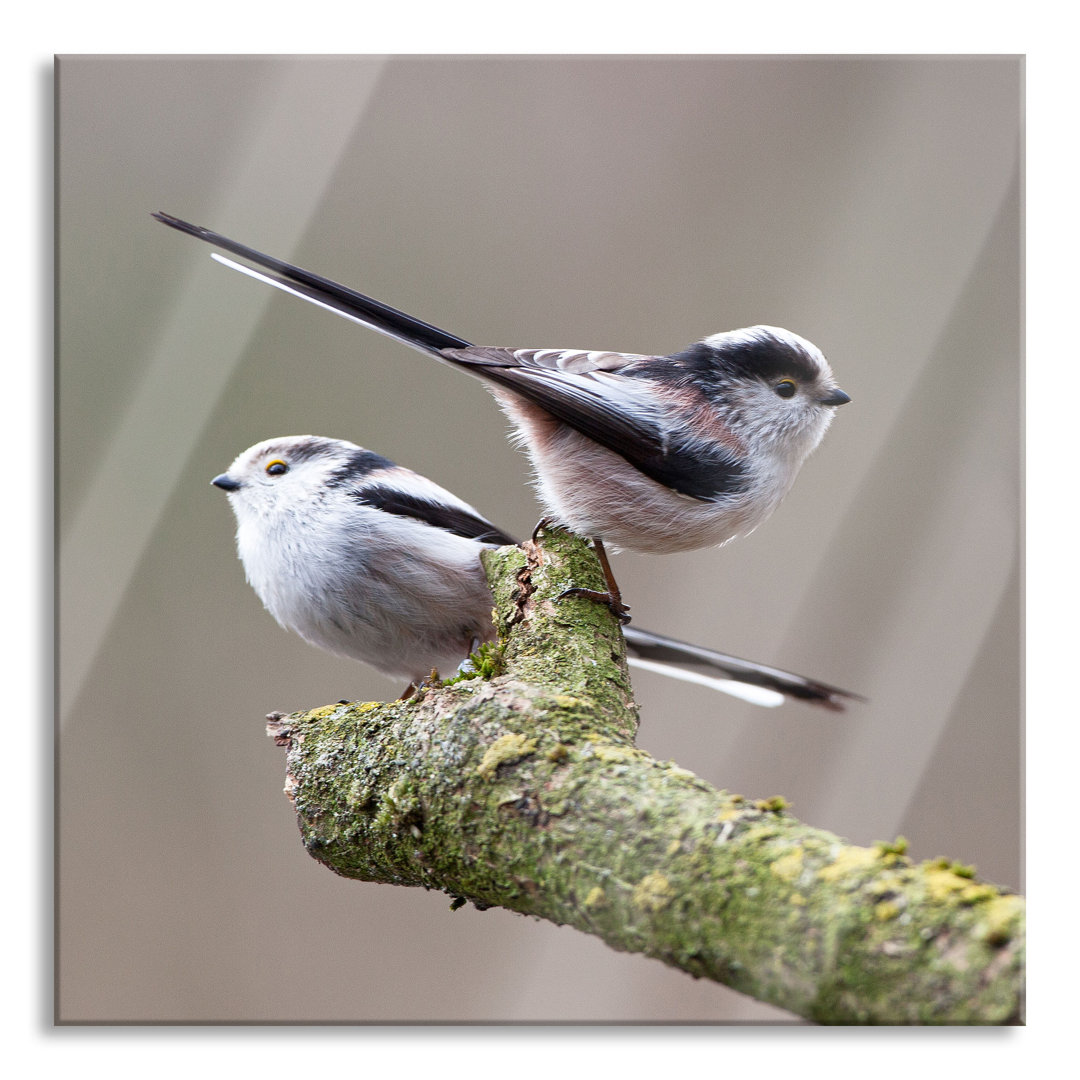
pixel 756 695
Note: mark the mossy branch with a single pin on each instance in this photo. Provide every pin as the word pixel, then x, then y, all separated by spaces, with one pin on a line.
pixel 524 789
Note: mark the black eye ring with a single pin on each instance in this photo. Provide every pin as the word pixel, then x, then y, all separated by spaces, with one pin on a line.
pixel 785 388
pixel 276 468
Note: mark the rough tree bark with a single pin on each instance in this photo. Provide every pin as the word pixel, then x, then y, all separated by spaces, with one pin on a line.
pixel 522 788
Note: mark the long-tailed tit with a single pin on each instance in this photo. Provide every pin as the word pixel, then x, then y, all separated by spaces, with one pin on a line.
pixel 647 453
pixel 372 561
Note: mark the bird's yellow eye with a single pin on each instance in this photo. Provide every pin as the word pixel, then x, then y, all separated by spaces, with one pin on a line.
pixel 785 388
pixel 276 467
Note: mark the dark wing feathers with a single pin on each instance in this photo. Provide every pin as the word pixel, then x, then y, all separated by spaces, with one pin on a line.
pixel 577 399
pixel 440 515
pixel 587 392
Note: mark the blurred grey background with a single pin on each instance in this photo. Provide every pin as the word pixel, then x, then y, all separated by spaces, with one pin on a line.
pixel 636 204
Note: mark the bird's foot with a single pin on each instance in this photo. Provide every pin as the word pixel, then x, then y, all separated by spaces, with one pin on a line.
pixel 541 525
pixel 415 689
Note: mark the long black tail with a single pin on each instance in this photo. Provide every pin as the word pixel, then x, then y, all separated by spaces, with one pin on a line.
pixel 355 305
pixel 664 650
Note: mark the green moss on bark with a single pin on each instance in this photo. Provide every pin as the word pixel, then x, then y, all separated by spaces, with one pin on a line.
pixel 525 790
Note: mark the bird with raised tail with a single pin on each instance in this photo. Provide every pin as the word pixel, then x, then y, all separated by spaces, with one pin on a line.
pixel 643 452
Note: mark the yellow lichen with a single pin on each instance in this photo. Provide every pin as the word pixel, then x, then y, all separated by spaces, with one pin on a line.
pixel 976 894
pixel 849 860
pixel 565 701
pixel 788 867
pixel 942 883
pixel 680 773
pixel 321 713
pixel 653 892
pixel 999 919
pixel 505 750
pixel 596 898
pixel 884 884
pixel 885 911
pixel 617 755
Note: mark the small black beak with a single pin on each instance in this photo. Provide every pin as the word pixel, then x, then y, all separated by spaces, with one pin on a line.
pixel 226 482
pixel 837 397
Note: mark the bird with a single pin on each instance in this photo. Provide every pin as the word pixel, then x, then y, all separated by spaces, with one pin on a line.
pixel 639 452
pixel 371 561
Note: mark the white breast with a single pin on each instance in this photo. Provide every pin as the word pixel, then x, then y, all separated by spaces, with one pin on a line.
pixel 387 590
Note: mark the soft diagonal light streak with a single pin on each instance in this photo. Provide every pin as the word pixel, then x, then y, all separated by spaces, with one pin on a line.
pixel 185 376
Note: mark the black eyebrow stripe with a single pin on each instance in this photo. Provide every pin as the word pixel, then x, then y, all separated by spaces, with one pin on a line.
pixel 356 466
pixel 451 519
pixel 761 358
